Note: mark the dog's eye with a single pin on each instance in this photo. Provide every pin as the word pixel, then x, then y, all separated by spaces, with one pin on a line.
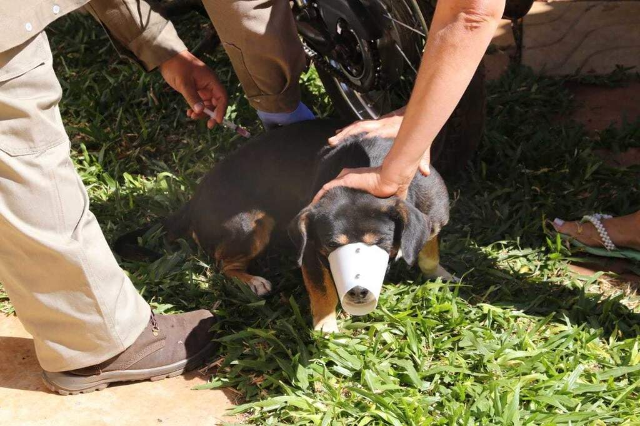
pixel 333 245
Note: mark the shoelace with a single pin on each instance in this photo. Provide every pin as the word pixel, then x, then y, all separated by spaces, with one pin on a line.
pixel 154 324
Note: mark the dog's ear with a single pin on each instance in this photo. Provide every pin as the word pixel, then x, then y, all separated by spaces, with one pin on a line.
pixel 412 230
pixel 299 229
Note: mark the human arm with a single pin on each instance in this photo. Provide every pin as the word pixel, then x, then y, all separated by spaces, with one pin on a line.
pixel 460 34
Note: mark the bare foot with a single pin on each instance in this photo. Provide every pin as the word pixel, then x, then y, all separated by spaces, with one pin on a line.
pixel 624 231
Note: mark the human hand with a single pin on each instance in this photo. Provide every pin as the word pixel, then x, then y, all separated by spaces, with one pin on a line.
pixel 386 126
pixel 198 84
pixel 369 179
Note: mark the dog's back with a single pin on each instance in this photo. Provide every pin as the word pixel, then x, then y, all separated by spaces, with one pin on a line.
pixel 270 174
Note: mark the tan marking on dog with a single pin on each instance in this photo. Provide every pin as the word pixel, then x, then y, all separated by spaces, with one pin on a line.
pixel 232 265
pixel 263 225
pixel 429 257
pixel 236 266
pixel 370 238
pixel 195 237
pixel 323 303
pixel 384 208
pixel 342 239
pixel 403 211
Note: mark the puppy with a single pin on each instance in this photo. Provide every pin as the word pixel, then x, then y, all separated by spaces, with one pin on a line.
pixel 262 192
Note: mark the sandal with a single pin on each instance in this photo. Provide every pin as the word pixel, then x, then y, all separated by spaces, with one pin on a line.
pixel 609 249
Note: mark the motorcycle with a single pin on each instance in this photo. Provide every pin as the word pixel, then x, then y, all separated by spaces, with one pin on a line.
pixel 367 54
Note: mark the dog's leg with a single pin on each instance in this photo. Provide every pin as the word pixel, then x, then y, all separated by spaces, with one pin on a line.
pixel 429 261
pixel 322 293
pixel 237 268
pixel 252 232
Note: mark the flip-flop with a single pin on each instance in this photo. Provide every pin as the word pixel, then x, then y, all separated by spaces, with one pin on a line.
pixel 610 250
pixel 618 253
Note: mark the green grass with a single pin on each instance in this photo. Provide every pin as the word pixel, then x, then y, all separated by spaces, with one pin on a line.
pixel 518 341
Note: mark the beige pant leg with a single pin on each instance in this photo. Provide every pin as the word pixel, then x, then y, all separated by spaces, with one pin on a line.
pixel 262 42
pixel 55 264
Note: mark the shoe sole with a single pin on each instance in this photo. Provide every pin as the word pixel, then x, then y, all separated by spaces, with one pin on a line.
pixel 68 384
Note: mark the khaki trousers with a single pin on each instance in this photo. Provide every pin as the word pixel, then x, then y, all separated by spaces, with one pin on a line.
pixel 262 42
pixel 55 263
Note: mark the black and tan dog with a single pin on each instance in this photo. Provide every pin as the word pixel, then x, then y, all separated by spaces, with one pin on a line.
pixel 262 191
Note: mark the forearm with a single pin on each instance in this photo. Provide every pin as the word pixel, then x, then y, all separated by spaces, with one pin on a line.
pixel 140 28
pixel 459 36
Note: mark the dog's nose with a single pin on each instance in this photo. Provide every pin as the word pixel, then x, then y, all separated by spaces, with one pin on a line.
pixel 358 294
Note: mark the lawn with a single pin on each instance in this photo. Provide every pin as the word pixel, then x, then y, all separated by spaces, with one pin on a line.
pixel 519 340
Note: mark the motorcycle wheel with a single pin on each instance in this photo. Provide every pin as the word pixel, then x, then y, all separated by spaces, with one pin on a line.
pixel 408 25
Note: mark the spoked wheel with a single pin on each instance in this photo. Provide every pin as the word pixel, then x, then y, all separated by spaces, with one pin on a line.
pixel 388 66
pixel 371 78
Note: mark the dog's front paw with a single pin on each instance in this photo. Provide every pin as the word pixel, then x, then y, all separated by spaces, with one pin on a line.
pixel 260 286
pixel 440 272
pixel 327 326
pixel 445 275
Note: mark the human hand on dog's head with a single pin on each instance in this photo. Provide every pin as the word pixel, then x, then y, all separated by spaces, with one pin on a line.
pixel 369 179
pixel 198 84
pixel 386 127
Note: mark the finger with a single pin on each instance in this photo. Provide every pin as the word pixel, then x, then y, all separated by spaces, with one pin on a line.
pixel 221 109
pixel 344 172
pixel 345 133
pixel 325 188
pixel 359 127
pixel 193 98
pixel 335 140
pixel 338 181
pixel 318 196
pixel 424 167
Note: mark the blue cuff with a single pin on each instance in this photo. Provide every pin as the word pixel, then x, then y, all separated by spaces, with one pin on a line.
pixel 271 120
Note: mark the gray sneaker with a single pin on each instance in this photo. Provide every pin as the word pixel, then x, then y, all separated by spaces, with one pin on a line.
pixel 168 347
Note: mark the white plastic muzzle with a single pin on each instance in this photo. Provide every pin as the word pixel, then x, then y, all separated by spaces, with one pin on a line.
pixel 358 264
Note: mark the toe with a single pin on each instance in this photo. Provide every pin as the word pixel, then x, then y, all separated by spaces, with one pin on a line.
pixel 570 228
pixel 562 226
pixel 583 232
